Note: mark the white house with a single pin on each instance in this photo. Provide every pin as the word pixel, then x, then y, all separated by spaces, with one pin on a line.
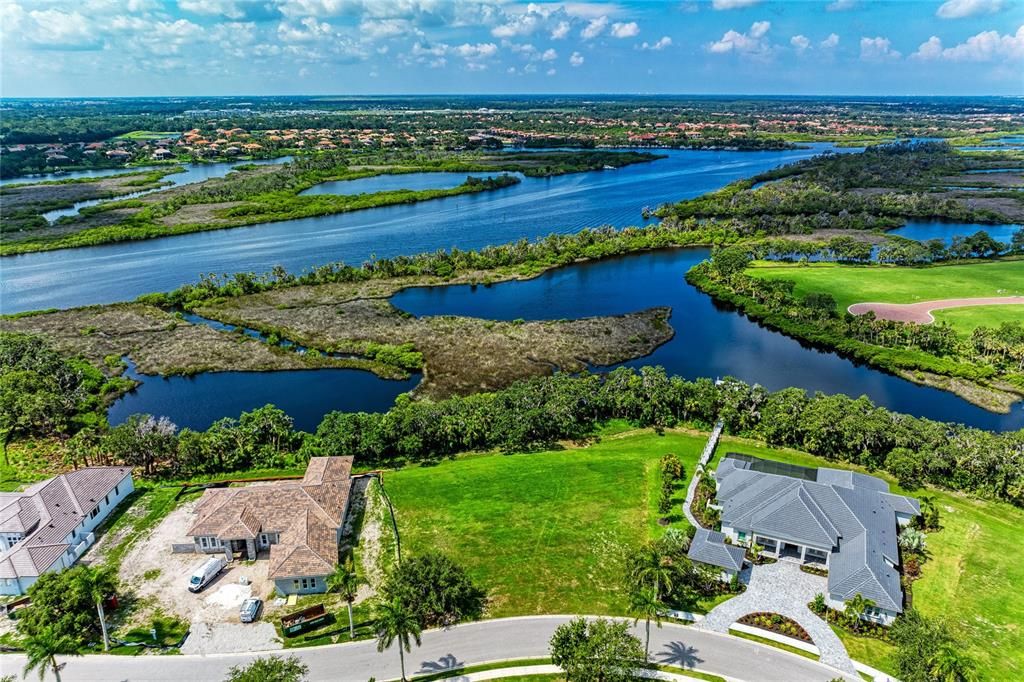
pixel 841 521
pixel 50 525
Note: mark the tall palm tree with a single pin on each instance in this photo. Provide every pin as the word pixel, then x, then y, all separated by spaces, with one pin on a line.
pixel 98 583
pixel 644 603
pixel 42 649
pixel 649 567
pixel 395 622
pixel 345 582
pixel 948 664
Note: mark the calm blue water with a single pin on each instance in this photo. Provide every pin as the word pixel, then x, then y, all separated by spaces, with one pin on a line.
pixel 73 175
pixel 533 208
pixel 389 183
pixel 306 395
pixel 193 173
pixel 710 341
pixel 923 230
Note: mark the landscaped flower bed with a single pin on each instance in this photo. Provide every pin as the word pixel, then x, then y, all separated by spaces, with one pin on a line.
pixel 773 622
pixel 814 570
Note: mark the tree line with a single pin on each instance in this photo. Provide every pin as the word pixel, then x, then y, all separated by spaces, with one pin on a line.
pixel 987 353
pixel 537 413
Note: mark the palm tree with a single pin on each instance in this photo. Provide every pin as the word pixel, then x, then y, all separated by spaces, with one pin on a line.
pixel 42 649
pixel 98 583
pixel 650 568
pixel 855 609
pixel 644 603
pixel 345 582
pixel 949 665
pixel 395 621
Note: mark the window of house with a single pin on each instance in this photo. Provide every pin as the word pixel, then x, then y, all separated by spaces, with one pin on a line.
pixel 295 584
pixel 115 489
pixel 741 535
pixel 202 542
pixel 93 513
pixel 106 499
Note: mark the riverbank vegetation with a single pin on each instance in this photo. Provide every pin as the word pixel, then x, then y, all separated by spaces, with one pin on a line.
pixel 267 193
pixel 985 365
pixel 22 205
pixel 543 411
pixel 876 189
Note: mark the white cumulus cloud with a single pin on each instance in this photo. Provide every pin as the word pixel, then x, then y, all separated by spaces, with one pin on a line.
pixel 576 59
pixel 594 27
pixel 733 4
pixel 561 30
pixel 986 46
pixel 840 5
pixel 752 43
pixel 800 43
pixel 830 42
pixel 877 49
pixel 661 44
pixel 958 9
pixel 627 30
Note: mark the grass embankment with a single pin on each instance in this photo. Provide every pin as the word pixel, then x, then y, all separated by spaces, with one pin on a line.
pixel 849 284
pixel 972 576
pixel 544 532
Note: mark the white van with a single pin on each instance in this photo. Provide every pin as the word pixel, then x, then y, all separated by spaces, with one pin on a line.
pixel 202 576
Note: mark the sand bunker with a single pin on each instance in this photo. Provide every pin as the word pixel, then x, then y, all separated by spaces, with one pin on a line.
pixel 921 313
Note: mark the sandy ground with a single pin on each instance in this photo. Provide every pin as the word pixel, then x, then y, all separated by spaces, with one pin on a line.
pixel 213 613
pixel 920 313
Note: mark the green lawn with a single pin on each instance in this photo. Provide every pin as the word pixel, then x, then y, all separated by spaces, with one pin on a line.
pixel 540 530
pixel 973 577
pixel 980 316
pixel 851 284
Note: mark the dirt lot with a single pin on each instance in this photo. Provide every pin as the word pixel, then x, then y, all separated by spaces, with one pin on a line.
pixel 161 578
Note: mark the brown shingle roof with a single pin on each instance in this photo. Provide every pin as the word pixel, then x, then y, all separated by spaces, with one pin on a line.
pixel 307 514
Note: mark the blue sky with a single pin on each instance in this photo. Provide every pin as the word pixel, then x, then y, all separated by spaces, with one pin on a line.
pixel 209 47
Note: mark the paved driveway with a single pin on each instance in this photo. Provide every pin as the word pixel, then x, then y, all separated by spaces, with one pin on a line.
pixel 784 589
pixel 463 645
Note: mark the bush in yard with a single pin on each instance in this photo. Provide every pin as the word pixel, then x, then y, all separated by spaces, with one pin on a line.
pixel 672 468
pixel 436 589
pixel 927 651
pixel 600 650
pixel 912 540
pixel 269 669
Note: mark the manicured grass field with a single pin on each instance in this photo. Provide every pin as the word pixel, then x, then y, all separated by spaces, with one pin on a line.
pixel 980 316
pixel 851 284
pixel 540 530
pixel 973 576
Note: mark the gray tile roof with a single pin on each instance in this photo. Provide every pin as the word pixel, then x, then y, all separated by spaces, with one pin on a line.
pixel 849 514
pixel 708 546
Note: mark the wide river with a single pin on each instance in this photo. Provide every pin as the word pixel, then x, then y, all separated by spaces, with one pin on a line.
pixel 710 341
pixel 533 208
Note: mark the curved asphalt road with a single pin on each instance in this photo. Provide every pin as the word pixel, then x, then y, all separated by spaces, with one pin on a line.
pixel 462 645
